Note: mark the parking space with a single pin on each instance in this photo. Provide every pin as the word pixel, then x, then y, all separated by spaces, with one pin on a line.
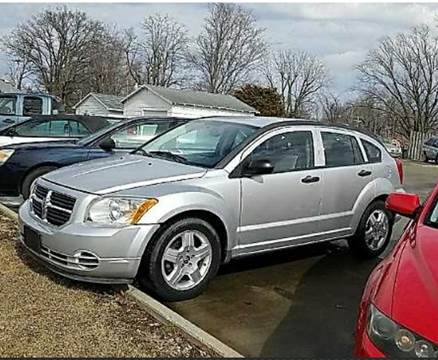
pixel 300 302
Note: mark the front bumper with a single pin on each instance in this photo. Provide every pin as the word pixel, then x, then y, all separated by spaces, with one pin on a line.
pixel 88 253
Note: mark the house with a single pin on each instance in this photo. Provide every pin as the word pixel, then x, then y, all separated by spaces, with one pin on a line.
pixel 100 105
pixel 6 87
pixel 148 100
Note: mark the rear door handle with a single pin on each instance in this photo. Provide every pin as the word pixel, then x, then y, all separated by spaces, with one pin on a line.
pixel 310 179
pixel 364 173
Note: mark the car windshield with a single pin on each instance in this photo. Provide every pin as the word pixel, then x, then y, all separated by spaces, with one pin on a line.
pixel 89 139
pixel 201 142
pixel 432 218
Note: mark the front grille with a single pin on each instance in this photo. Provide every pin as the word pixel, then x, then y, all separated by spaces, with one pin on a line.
pixel 83 260
pixel 51 206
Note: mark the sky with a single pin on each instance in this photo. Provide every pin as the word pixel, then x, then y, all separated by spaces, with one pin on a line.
pixel 340 34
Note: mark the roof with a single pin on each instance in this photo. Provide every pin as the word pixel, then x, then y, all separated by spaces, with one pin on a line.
pixel 196 99
pixel 5 87
pixel 110 102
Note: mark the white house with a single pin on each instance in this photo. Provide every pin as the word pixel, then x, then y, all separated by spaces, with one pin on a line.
pixel 100 105
pixel 148 100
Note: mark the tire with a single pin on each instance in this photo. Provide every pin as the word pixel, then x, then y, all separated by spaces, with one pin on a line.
pixel 186 275
pixel 370 246
pixel 31 177
pixel 436 159
pixel 425 158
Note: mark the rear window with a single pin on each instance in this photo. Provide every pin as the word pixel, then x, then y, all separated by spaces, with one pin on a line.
pixel 341 150
pixel 374 154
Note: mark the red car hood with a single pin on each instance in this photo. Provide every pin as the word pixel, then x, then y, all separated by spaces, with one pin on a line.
pixel 415 297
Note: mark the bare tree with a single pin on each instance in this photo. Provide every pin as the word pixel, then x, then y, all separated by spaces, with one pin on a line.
pixel 299 77
pixel 18 72
pixel 229 49
pixel 157 56
pixel 57 45
pixel 333 110
pixel 401 76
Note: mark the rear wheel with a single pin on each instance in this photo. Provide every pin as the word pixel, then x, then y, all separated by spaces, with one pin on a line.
pixel 31 177
pixel 180 262
pixel 425 158
pixel 374 231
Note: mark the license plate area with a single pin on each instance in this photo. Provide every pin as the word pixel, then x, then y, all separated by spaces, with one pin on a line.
pixel 32 239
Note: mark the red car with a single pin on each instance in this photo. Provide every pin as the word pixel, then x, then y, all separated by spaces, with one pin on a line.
pixel 398 314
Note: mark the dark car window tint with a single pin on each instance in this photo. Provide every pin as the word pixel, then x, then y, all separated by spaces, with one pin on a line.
pixel 373 152
pixel 287 152
pixel 7 105
pixel 341 150
pixel 32 105
pixel 77 129
pixel 135 135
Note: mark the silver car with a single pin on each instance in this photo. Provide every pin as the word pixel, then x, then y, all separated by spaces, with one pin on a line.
pixel 430 150
pixel 206 192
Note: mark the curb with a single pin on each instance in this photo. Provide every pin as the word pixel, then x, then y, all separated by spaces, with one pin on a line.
pixel 8 212
pixel 166 315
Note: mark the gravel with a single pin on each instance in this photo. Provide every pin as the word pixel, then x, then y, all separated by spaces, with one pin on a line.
pixel 42 314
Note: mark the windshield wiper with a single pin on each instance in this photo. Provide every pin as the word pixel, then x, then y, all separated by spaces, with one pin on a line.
pixel 167 155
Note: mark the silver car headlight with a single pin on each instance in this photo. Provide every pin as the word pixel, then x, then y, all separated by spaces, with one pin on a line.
pixel 5 155
pixel 394 340
pixel 118 211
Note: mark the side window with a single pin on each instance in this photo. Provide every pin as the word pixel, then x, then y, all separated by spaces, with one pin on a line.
pixel 77 129
pixel 33 128
pixel 341 150
pixel 287 152
pixel 59 128
pixel 373 152
pixel 32 105
pixel 135 135
pixel 8 105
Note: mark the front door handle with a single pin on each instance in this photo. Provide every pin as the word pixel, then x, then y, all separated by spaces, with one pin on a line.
pixel 310 179
pixel 364 173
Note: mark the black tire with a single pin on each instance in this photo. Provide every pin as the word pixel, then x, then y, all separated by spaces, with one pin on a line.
pixel 150 274
pixel 31 177
pixel 358 243
pixel 436 159
pixel 425 158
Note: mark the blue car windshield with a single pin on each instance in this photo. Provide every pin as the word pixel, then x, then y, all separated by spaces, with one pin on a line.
pixel 200 142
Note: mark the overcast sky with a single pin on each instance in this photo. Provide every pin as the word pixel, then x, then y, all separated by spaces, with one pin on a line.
pixel 341 34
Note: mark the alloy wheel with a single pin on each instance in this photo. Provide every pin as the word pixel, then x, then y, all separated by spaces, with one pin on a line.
pixel 376 229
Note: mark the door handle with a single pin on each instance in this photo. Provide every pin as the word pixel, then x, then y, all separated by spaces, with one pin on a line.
pixel 364 173
pixel 310 179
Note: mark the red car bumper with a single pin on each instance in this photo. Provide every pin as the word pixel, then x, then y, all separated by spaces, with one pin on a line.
pixel 366 349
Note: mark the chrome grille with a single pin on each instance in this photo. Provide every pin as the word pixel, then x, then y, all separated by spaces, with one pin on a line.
pixel 51 206
pixel 81 260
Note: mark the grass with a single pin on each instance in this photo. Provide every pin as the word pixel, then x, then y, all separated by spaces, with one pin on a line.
pixel 42 314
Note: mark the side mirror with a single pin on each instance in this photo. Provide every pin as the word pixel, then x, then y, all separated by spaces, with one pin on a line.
pixel 258 167
pixel 403 204
pixel 108 144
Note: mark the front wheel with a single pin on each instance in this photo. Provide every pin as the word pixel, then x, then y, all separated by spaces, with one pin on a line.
pixel 180 262
pixel 374 231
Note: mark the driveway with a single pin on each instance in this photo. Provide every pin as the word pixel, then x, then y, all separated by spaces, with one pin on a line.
pixel 300 303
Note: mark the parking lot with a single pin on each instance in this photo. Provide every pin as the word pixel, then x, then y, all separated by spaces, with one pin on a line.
pixel 299 303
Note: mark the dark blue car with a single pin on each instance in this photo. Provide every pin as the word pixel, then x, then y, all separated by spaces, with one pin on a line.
pixel 21 164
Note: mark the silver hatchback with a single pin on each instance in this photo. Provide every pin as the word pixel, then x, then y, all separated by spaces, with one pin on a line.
pixel 206 192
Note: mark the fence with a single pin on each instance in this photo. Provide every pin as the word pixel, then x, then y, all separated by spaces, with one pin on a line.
pixel 416 140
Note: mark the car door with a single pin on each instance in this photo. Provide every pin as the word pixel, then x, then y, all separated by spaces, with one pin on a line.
pixel 280 209
pixel 344 175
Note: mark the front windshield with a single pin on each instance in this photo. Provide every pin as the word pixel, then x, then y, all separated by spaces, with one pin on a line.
pixel 99 133
pixel 432 218
pixel 201 142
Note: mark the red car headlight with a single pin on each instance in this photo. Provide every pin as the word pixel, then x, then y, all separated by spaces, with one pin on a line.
pixel 394 340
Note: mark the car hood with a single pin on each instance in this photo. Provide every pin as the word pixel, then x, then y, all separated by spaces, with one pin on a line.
pixel 117 173
pixel 415 297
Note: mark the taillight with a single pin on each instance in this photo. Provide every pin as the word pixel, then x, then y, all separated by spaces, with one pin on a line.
pixel 400 170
